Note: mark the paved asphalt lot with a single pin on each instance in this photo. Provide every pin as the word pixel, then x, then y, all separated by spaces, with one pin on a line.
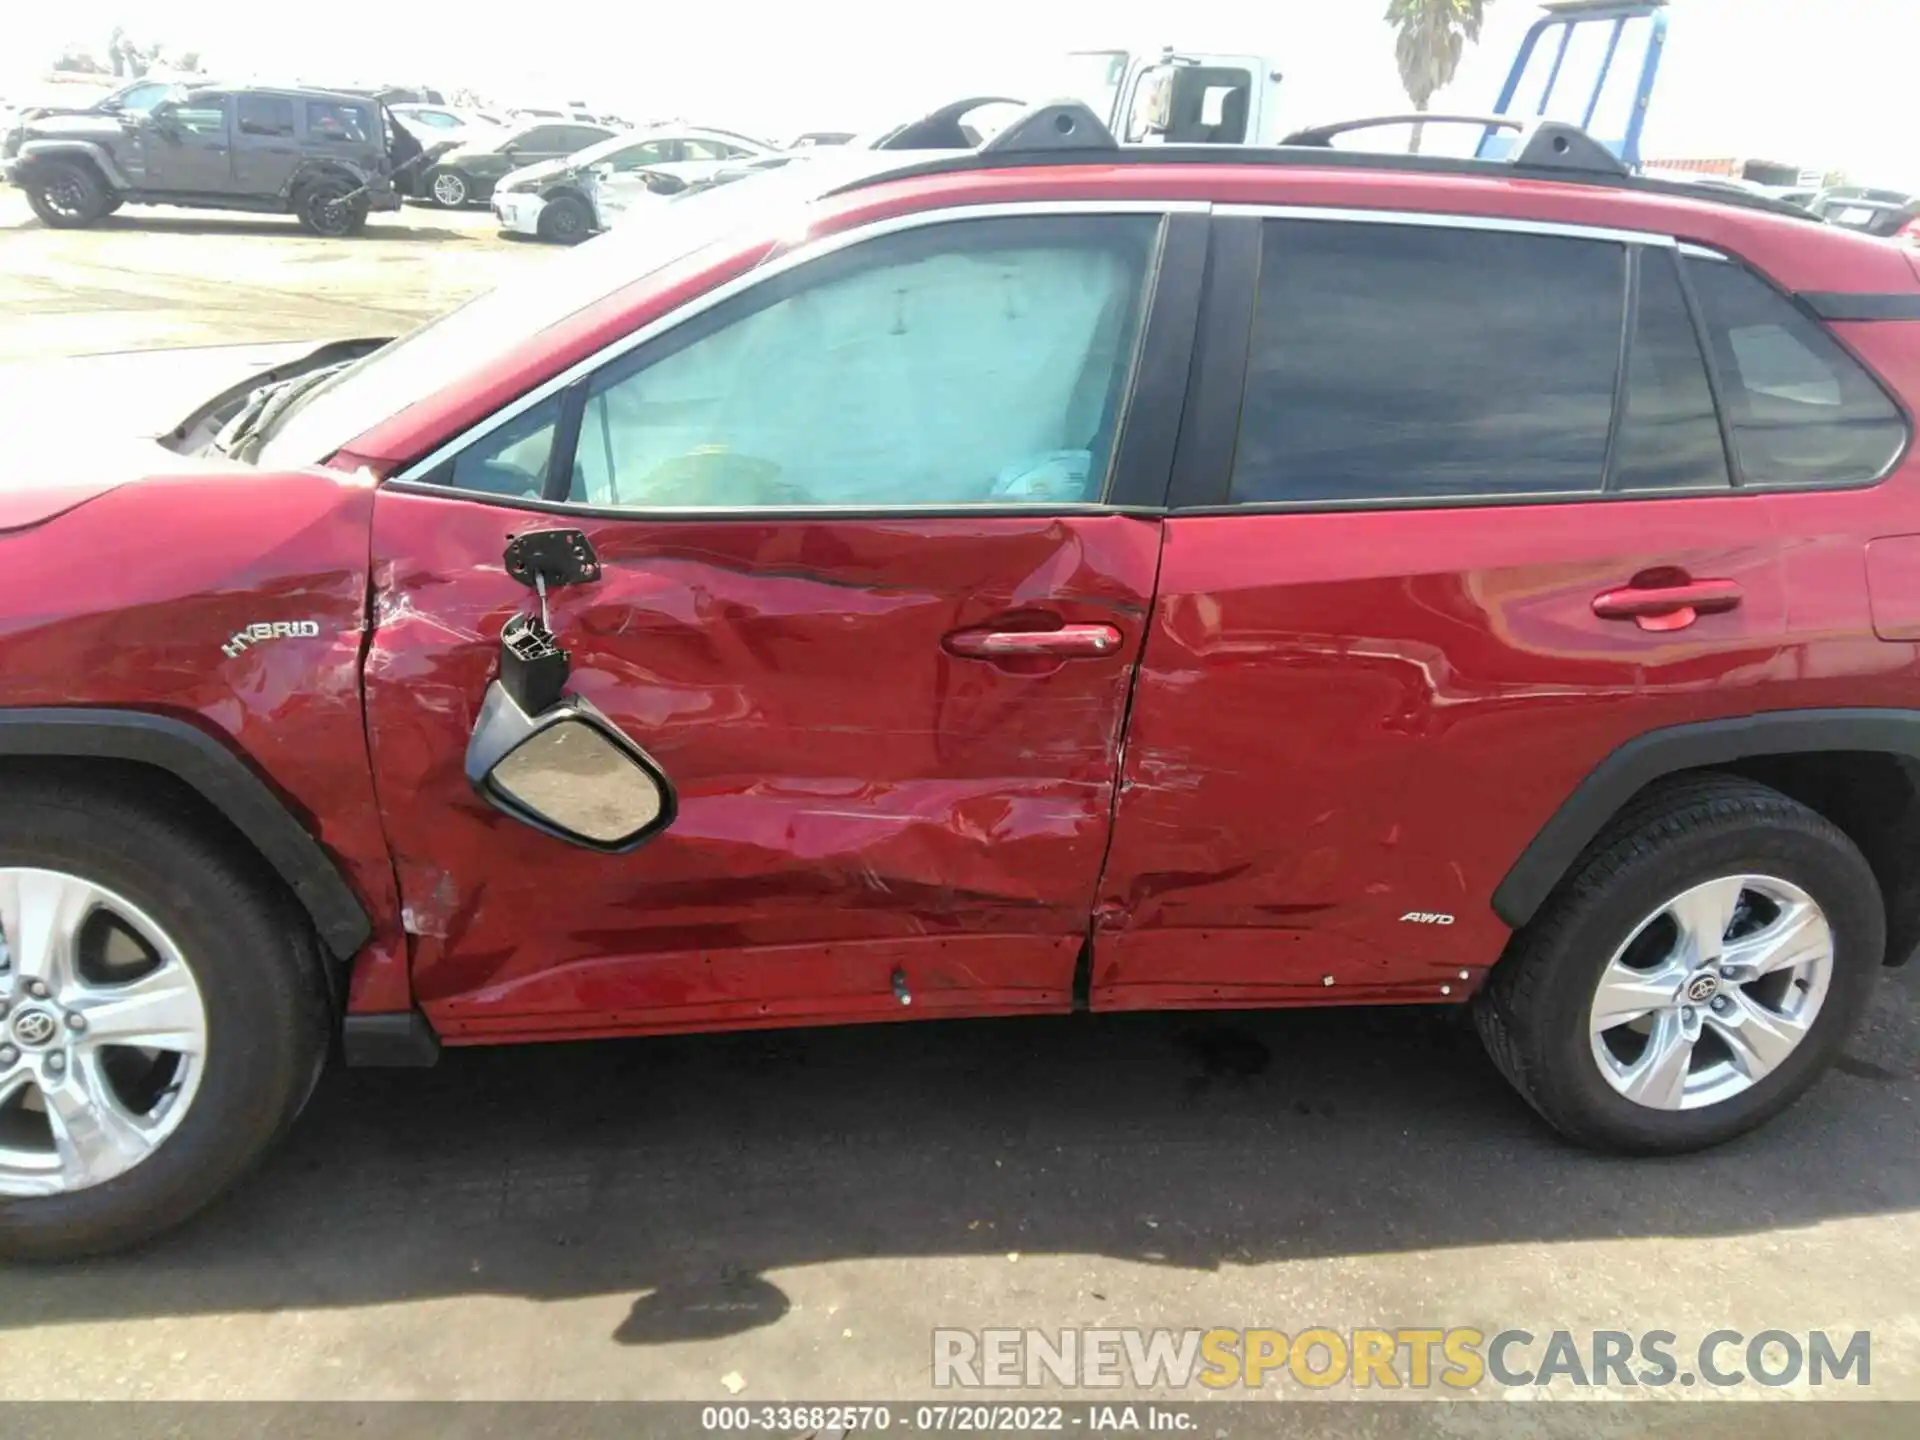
pixel 786 1215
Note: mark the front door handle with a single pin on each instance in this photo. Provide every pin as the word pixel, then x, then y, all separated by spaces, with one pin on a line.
pixel 1067 642
pixel 1668 607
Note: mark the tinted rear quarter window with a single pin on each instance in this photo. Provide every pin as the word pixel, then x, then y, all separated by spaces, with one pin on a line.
pixel 1407 362
pixel 335 122
pixel 1802 410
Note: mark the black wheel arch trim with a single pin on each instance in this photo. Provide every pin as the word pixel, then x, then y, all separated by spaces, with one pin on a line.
pixel 1659 753
pixel 221 778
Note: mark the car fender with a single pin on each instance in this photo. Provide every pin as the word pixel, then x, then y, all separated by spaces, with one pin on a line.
pixel 101 159
pixel 220 778
pixel 332 167
pixel 1581 817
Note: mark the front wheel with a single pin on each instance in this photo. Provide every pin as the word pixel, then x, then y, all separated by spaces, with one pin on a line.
pixel 1694 976
pixel 67 196
pixel 161 1021
pixel 566 220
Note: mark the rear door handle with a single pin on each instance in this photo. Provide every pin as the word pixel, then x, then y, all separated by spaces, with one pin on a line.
pixel 1068 641
pixel 1668 607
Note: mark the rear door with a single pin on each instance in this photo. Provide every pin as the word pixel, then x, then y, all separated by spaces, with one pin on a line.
pixel 266 148
pixel 1433 560
pixel 878 537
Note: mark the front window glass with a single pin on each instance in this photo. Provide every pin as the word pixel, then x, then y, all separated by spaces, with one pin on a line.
pixel 465 342
pixel 980 362
pixel 201 115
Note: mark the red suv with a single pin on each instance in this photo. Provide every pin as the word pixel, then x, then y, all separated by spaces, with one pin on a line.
pixel 1058 576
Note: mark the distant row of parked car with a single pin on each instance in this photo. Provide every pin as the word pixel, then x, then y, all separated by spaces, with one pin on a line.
pixel 330 157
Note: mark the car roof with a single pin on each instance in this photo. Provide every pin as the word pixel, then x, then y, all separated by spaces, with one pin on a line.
pixel 291 92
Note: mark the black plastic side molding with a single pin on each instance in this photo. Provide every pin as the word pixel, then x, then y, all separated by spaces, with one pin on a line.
pixel 402 1040
pixel 1840 305
pixel 221 778
pixel 1658 753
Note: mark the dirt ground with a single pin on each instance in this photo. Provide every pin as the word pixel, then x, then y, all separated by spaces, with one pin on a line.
pixel 788 1215
pixel 150 277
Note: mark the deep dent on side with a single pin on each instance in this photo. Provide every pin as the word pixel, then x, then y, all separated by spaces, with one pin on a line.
pixel 854 803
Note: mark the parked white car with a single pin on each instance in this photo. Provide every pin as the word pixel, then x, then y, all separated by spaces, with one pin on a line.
pixel 568 200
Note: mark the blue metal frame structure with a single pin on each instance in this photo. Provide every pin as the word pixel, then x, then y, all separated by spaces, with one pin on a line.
pixel 1566 17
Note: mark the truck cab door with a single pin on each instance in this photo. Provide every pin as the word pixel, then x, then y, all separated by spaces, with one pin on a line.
pixel 1189 99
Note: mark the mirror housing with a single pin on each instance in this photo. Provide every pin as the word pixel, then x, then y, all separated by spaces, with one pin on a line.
pixel 567 771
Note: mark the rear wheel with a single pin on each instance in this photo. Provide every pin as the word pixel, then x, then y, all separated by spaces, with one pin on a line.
pixel 1694 976
pixel 565 219
pixel 67 196
pixel 449 189
pixel 163 1021
pixel 324 209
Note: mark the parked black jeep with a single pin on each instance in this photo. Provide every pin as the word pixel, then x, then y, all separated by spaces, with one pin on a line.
pixel 325 157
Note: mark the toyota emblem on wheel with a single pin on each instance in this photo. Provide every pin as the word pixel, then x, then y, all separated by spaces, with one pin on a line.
pixel 34 1027
pixel 1702 988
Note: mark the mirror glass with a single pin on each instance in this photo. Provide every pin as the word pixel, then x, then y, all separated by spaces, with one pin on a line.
pixel 578 780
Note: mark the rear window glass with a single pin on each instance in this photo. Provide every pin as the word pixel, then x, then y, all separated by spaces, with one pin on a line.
pixel 265 115
pixel 1802 410
pixel 1405 362
pixel 1669 432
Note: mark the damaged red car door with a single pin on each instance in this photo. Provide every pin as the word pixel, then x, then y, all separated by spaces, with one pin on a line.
pixel 877 540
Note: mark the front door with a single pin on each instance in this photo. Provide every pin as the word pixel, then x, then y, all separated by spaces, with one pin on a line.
pixel 871 597
pixel 188 146
pixel 1435 562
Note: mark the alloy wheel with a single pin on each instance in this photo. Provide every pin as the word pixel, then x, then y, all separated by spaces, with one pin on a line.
pixel 1712 992
pixel 67 196
pixel 450 190
pixel 103 1034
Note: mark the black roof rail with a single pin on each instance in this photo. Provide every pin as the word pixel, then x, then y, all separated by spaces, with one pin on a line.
pixel 1543 144
pixel 1056 125
pixel 940 129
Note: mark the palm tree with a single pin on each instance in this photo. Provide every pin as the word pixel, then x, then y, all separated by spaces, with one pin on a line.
pixel 1433 37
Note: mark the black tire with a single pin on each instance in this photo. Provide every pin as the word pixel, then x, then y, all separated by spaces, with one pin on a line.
pixel 267 1009
pixel 323 209
pixel 566 220
pixel 114 202
pixel 67 195
pixel 1534 1013
pixel 449 189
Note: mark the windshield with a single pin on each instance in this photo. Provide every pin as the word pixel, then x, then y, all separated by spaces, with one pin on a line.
pixel 601 149
pixel 472 338
pixel 1092 77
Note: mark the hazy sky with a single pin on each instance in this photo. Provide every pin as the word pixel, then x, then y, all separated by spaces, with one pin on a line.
pixel 1833 86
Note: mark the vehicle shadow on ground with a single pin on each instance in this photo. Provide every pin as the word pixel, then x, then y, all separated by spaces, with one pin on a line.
pixel 380 227
pixel 688 1171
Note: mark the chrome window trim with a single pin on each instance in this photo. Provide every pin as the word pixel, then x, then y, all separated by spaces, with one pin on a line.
pixel 1703 252
pixel 1444 220
pixel 801 254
